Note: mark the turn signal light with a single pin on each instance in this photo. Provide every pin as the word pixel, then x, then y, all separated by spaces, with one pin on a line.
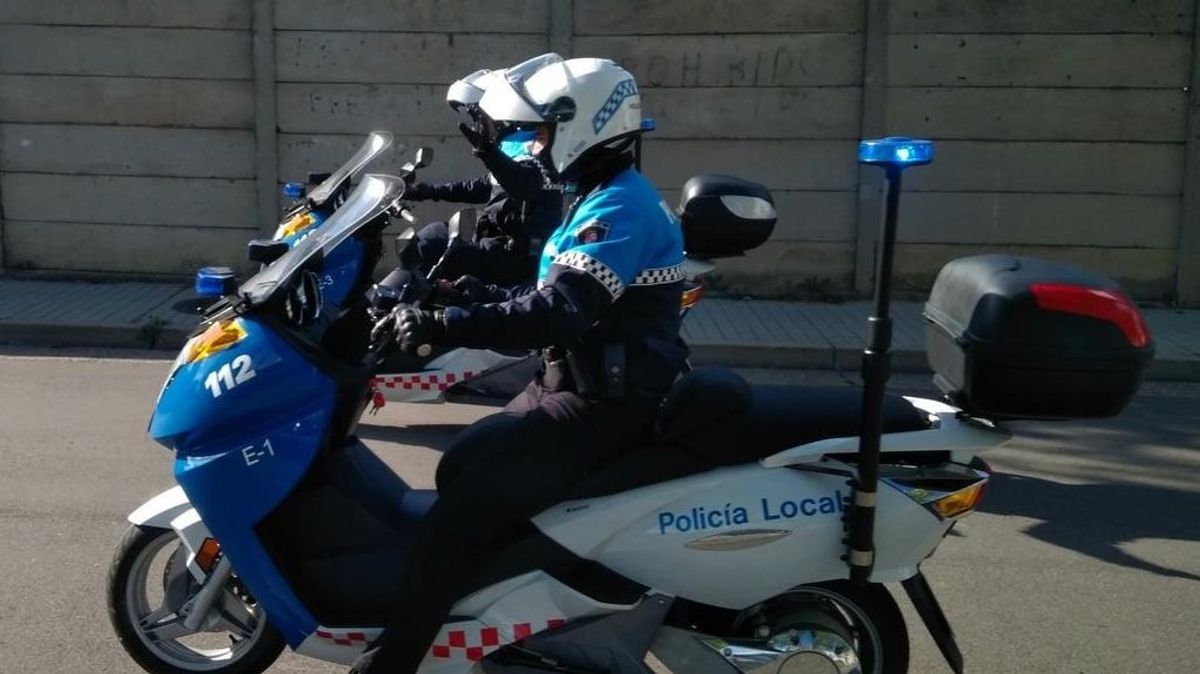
pixel 961 501
pixel 692 296
pixel 206 556
pixel 218 337
pixel 298 223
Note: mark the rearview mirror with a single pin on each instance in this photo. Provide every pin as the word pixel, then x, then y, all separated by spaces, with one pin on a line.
pixel 424 157
pixel 462 224
pixel 404 240
pixel 265 251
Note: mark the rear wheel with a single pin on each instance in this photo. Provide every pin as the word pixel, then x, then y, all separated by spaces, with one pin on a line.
pixel 148 588
pixel 836 627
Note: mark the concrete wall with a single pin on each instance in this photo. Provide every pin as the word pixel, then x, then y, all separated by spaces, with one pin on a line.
pixel 132 131
pixel 1062 129
pixel 125 140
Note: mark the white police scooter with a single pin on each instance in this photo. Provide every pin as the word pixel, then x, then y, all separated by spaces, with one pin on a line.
pixel 722 549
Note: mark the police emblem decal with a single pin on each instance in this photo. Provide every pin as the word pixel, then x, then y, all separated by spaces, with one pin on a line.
pixel 592 231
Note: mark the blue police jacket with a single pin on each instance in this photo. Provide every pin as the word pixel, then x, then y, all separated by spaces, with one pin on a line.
pixel 610 275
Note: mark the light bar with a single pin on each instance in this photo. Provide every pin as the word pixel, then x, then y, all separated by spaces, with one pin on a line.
pixel 214 281
pixel 897 151
pixel 293 190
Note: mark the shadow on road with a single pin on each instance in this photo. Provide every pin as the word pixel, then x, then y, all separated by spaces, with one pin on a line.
pixel 434 436
pixel 1095 519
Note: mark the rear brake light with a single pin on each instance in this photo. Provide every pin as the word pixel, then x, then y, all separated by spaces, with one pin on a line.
pixel 1112 306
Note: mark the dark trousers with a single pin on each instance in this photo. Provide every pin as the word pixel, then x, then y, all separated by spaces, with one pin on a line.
pixel 487 259
pixel 498 473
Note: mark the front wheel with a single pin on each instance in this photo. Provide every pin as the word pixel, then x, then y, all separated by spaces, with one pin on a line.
pixel 149 587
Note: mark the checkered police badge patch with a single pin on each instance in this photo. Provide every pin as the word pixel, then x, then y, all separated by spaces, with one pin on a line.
pixel 623 90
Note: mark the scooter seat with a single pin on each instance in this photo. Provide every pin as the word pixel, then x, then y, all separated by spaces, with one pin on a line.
pixel 779 417
pixel 717 419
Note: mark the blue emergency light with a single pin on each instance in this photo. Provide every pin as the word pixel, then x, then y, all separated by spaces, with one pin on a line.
pixel 896 151
pixel 293 190
pixel 214 281
pixel 648 124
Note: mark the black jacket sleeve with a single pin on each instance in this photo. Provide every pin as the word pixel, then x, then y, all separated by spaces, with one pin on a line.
pixel 555 314
pixel 474 191
pixel 523 180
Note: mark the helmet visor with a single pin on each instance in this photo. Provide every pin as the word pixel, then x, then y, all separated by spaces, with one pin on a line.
pixel 518 76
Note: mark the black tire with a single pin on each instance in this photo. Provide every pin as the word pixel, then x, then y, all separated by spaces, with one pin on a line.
pixel 870 608
pixel 257 657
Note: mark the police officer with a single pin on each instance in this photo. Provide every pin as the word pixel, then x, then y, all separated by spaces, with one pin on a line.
pixel 522 205
pixel 606 313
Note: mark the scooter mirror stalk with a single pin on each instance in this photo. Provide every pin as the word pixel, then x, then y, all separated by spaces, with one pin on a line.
pixel 404 240
pixel 462 225
pixel 894 154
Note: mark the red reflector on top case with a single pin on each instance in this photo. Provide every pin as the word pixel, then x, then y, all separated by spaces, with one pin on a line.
pixel 1107 305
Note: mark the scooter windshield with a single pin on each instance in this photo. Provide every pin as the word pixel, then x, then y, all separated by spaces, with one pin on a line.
pixel 372 196
pixel 376 143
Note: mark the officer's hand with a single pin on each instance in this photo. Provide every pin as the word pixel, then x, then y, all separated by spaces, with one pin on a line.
pixel 472 290
pixel 416 328
pixel 479 139
pixel 466 290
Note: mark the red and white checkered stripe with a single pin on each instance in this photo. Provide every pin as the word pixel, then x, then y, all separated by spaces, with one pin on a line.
pixel 342 638
pixel 423 382
pixel 473 645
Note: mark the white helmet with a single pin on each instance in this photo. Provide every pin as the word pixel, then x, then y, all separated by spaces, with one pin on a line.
pixel 590 102
pixel 466 92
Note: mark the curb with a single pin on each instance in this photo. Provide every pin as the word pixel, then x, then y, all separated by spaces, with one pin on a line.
pixel 766 356
pixel 107 336
pixel 904 361
pixel 839 359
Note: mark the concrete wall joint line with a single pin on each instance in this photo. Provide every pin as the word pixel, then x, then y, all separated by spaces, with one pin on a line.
pixel 560 27
pixel 266 159
pixel 1187 267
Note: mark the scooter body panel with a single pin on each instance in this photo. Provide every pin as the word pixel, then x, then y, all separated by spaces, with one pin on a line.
pixel 963 438
pixel 762 527
pixel 450 369
pixel 761 531
pixel 480 623
pixel 172 510
pixel 241 449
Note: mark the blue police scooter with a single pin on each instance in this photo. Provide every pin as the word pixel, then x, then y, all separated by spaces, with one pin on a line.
pixel 285 529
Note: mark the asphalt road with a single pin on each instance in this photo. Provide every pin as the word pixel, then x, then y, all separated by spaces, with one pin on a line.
pixel 1085 556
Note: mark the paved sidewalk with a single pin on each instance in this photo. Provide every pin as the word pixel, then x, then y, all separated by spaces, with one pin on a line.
pixel 759 333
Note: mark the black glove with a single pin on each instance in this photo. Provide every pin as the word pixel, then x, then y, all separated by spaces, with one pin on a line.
pixel 481 142
pixel 417 192
pixel 466 290
pixel 418 327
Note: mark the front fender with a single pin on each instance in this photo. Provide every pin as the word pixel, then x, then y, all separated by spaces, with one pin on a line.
pixel 172 510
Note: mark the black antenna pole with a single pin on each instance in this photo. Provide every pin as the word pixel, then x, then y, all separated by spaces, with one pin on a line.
pixel 894 155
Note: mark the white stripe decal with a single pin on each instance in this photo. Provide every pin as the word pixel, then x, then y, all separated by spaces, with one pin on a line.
pixel 594 268
pixel 655 277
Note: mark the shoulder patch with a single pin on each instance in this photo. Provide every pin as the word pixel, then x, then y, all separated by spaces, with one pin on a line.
pixel 592 231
